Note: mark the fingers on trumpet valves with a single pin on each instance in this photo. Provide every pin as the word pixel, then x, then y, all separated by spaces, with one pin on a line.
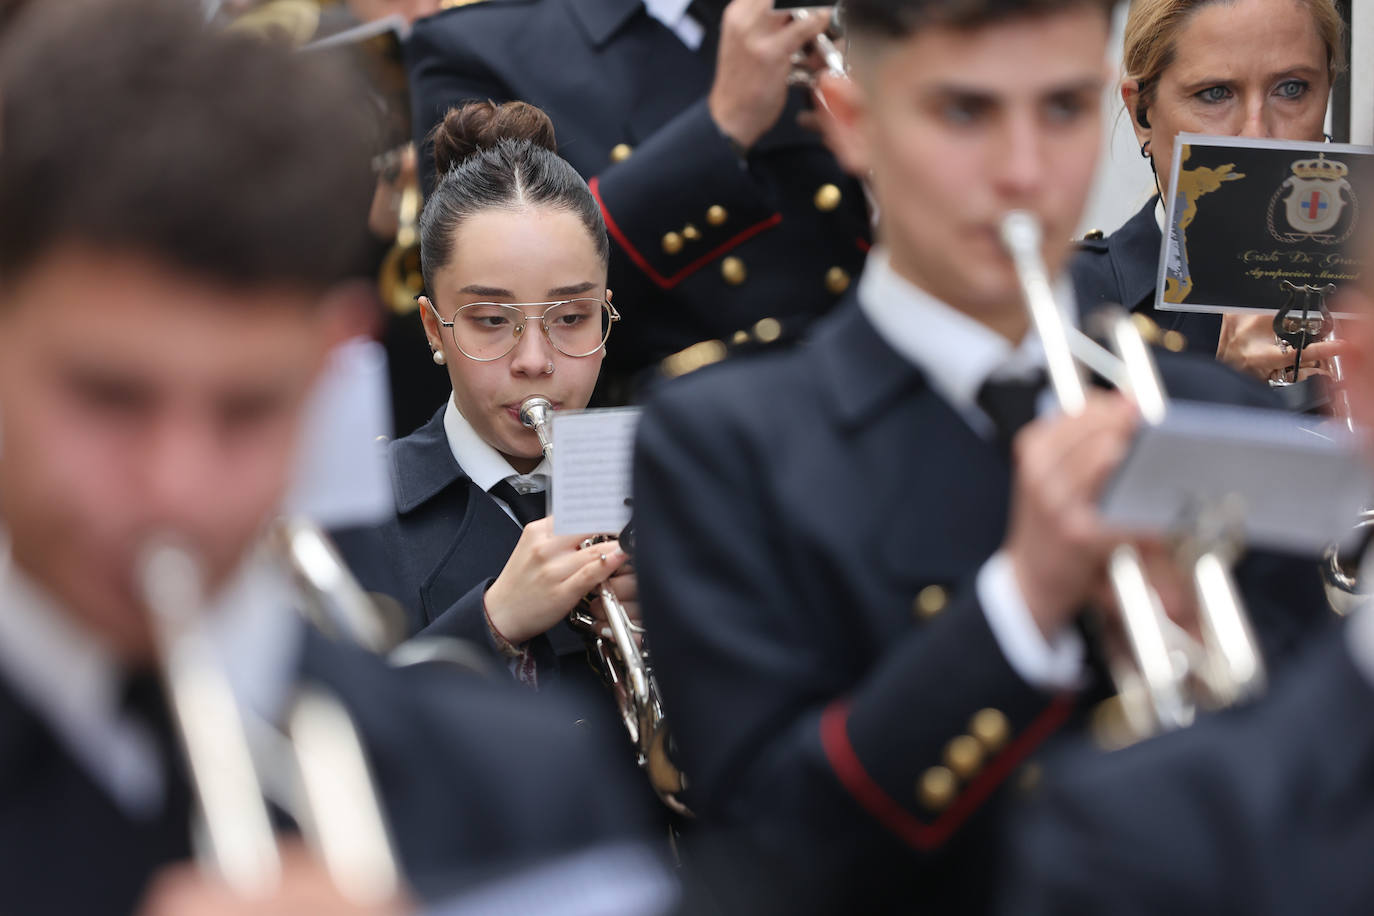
pixel 1057 543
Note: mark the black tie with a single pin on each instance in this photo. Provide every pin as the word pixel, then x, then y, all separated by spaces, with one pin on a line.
pixel 1010 404
pixel 144 699
pixel 527 507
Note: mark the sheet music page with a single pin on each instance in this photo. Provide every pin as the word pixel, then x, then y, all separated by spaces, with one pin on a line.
pixel 1298 480
pixel 592 455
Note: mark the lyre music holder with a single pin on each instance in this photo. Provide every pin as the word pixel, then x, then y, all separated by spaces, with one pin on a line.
pixel 1297 327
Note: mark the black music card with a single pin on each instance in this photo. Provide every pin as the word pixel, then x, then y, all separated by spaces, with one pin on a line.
pixel 1247 220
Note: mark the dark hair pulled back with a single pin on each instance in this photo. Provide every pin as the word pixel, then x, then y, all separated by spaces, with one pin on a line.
pixel 491 156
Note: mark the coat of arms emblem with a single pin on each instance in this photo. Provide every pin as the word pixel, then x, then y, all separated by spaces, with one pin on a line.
pixel 1317 194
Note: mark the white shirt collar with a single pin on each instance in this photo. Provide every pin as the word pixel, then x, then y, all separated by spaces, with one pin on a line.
pixel 484 464
pixel 673 14
pixel 71 681
pixel 667 10
pixel 956 353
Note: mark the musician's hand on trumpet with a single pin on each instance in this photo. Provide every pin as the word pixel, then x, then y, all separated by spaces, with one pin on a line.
pixel 1056 541
pixel 545 577
pixel 626 589
pixel 753 66
pixel 1247 345
pixel 306 889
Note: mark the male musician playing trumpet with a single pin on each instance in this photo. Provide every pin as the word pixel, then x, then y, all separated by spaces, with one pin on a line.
pixel 180 207
pixel 860 590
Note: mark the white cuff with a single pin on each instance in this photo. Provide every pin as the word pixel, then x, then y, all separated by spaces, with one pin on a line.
pixel 1055 664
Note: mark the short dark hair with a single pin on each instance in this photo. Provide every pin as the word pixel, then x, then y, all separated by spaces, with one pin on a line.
pixel 9 9
pixel 491 156
pixel 130 125
pixel 902 18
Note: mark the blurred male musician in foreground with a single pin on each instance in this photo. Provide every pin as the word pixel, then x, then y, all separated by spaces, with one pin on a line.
pixel 860 597
pixel 723 210
pixel 1262 810
pixel 179 209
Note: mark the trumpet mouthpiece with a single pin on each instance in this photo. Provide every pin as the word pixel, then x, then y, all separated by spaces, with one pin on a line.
pixel 1021 232
pixel 534 411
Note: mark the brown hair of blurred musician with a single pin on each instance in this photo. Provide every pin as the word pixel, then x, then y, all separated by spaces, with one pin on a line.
pixel 181 208
pixel 1246 68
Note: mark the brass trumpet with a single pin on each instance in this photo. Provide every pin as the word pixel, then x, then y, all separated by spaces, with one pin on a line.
pixel 1168 674
pixel 327 783
pixel 623 662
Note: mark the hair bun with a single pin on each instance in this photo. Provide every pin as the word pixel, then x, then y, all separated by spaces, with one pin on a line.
pixel 481 125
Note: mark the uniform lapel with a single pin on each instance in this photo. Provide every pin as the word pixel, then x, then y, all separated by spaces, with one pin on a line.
pixel 940 490
pixel 463 534
pixel 1134 252
pixel 670 76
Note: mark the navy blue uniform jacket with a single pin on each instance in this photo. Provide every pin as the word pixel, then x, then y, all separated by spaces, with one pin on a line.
pixel 1264 811
pixel 616 81
pixel 810 524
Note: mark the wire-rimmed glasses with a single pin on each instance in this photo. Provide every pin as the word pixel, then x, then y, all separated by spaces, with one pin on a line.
pixel 487 331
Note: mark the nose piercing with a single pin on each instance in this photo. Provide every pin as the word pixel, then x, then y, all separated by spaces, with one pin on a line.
pixel 548 370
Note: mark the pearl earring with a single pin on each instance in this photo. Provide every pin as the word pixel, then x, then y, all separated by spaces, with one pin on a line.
pixel 439 358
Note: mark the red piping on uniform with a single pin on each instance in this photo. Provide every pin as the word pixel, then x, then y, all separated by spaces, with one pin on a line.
pixel 863 244
pixel 643 264
pixel 925 837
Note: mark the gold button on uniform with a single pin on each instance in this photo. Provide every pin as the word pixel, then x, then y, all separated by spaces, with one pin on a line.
pixel 767 330
pixel 1092 235
pixel 621 151
pixel 1175 342
pixel 827 198
pixel 732 269
pixel 691 233
pixel 937 788
pixel 964 756
pixel 991 728
pixel 716 215
pixel 1147 328
pixel 672 243
pixel 930 601
pixel 741 337
pixel 836 280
